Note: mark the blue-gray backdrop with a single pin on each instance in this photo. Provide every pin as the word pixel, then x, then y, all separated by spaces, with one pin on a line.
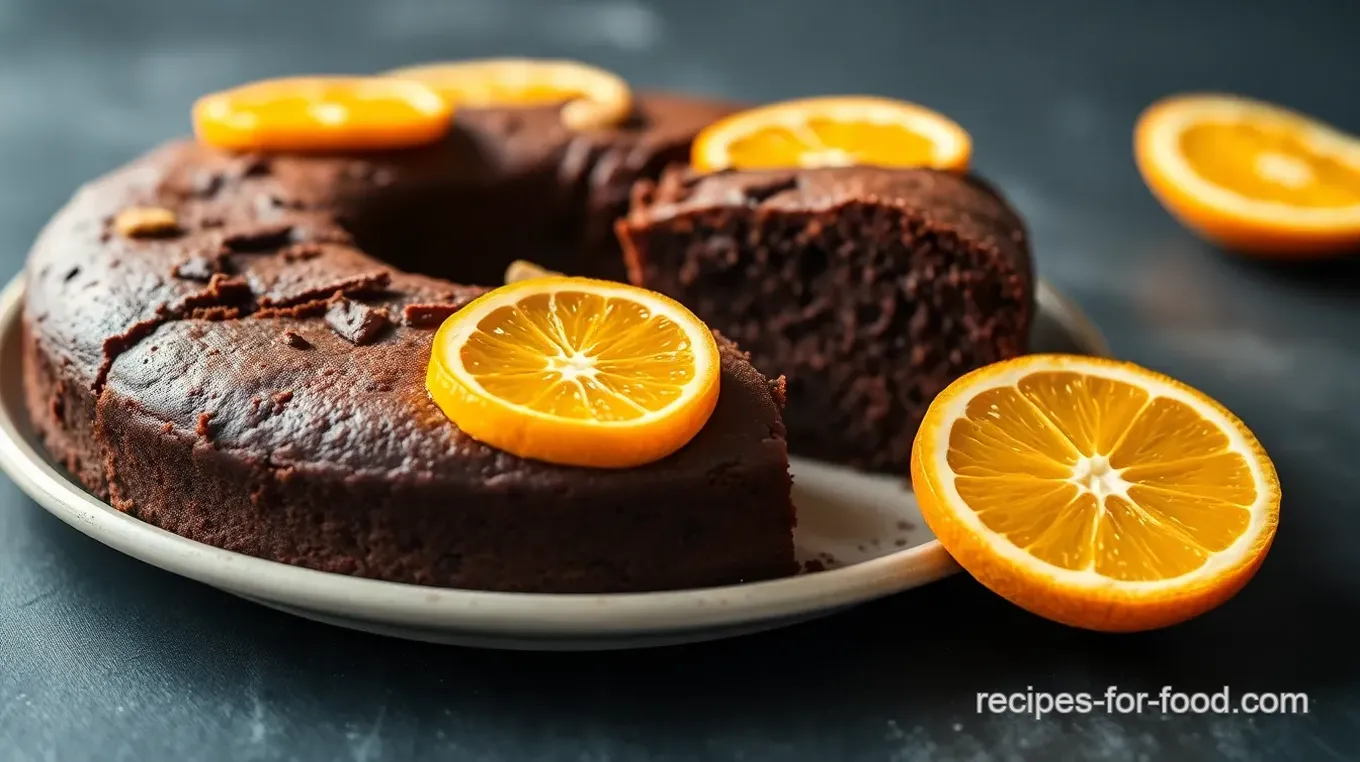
pixel 103 658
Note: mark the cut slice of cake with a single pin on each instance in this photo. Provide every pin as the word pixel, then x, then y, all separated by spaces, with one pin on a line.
pixel 870 289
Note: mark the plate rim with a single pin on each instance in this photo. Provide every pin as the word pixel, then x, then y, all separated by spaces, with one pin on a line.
pixel 470 611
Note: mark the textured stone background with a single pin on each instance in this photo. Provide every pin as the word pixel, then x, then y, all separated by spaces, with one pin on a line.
pixel 103 658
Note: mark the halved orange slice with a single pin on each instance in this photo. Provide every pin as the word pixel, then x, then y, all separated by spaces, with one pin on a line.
pixel 833 131
pixel 322 114
pixel 1251 176
pixel 592 97
pixel 576 371
pixel 1095 492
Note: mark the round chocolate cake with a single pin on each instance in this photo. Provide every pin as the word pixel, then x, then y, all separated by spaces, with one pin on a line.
pixel 233 346
pixel 224 346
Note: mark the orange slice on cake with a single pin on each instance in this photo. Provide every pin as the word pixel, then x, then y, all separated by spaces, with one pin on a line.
pixel 833 131
pixel 1094 492
pixel 1252 176
pixel 576 371
pixel 591 97
pixel 322 114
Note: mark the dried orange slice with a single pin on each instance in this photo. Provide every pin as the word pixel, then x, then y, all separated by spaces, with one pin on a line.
pixel 322 114
pixel 1251 176
pixel 576 371
pixel 832 131
pixel 1095 492
pixel 592 97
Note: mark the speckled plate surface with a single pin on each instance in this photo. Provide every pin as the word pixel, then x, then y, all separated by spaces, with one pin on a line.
pixel 860 537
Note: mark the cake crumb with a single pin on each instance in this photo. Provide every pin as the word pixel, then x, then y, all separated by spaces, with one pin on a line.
pixel 213 313
pixel 283 396
pixel 221 291
pixel 428 315
pixel 900 542
pixel 295 340
pixel 310 308
pixel 146 222
pixel 813 566
pixel 355 322
pixel 779 390
pixel 203 430
pixel 905 526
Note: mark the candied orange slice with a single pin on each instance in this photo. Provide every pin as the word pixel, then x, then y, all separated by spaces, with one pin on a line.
pixel 322 114
pixel 832 131
pixel 1251 176
pixel 591 97
pixel 1095 492
pixel 576 371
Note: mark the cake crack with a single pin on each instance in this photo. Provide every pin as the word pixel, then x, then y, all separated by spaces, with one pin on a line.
pixel 223 298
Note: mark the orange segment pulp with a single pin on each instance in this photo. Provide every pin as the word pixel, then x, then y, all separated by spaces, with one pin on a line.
pixel 591 97
pixel 833 131
pixel 1252 176
pixel 1094 492
pixel 576 371
pixel 322 114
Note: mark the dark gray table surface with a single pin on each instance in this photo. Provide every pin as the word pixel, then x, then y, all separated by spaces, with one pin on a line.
pixel 104 658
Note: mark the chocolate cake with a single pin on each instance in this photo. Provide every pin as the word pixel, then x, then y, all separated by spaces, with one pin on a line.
pixel 870 288
pixel 233 348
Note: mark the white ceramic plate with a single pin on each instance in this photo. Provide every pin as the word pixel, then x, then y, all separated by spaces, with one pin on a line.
pixel 865 530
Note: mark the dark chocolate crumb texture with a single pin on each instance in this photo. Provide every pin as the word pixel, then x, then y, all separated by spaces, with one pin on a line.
pixel 241 360
pixel 871 289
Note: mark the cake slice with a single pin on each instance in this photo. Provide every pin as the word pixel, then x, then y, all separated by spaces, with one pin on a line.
pixel 870 289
